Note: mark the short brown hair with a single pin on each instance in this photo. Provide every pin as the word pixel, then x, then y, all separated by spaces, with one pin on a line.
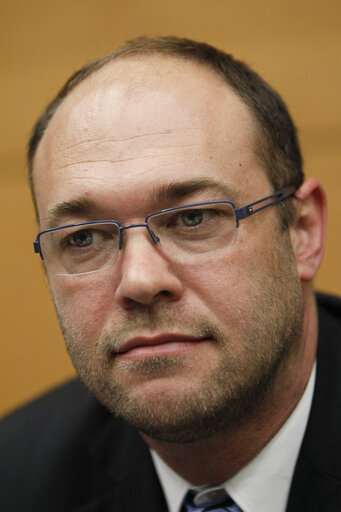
pixel 277 143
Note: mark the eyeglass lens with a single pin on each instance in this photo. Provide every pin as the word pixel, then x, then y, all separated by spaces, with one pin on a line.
pixel 182 232
pixel 195 230
pixel 81 249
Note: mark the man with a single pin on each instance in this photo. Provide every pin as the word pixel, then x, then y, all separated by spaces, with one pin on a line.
pixel 180 242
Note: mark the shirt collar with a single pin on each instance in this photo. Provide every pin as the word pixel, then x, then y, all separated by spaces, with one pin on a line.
pixel 173 485
pixel 264 483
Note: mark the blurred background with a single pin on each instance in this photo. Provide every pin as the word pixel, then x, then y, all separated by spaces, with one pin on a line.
pixel 295 45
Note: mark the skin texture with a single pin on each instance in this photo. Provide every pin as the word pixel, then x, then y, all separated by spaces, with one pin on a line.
pixel 233 333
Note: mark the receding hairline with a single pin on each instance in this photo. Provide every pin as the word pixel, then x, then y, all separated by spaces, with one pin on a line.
pixel 110 75
pixel 143 49
pixel 111 72
pixel 116 72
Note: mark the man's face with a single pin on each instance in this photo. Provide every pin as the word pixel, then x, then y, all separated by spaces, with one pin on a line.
pixel 179 347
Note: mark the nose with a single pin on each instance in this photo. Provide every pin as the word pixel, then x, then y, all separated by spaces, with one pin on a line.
pixel 146 275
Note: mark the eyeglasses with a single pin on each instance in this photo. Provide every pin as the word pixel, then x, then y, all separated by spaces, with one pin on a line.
pixel 181 231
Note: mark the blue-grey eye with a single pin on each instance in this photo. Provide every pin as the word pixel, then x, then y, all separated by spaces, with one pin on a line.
pixel 192 217
pixel 82 238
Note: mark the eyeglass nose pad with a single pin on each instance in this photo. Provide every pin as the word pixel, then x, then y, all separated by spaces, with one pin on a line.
pixel 154 237
pixel 120 240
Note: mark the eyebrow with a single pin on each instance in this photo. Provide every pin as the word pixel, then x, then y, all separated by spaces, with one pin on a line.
pixel 177 190
pixel 77 207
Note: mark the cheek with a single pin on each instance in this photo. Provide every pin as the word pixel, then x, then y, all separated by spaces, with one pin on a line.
pixel 235 283
pixel 224 279
pixel 84 305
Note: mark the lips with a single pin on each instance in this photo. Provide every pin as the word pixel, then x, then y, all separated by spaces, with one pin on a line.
pixel 163 344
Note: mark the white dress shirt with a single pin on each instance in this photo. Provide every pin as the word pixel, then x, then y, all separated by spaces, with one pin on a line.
pixel 263 485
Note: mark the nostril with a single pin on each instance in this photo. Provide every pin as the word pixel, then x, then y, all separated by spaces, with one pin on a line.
pixel 165 293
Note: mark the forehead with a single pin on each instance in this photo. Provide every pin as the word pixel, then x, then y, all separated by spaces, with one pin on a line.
pixel 152 118
pixel 131 91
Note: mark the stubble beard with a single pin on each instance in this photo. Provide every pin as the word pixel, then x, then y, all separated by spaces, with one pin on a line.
pixel 227 397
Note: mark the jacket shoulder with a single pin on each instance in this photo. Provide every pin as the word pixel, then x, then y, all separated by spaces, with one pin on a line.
pixel 44 450
pixel 319 463
pixel 57 410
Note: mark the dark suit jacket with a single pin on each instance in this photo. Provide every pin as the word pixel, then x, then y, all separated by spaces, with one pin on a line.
pixel 66 453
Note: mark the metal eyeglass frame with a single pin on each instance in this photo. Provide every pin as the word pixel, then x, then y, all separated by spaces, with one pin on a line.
pixel 240 213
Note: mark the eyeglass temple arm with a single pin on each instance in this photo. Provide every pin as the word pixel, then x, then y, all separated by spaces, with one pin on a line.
pixel 37 249
pixel 246 211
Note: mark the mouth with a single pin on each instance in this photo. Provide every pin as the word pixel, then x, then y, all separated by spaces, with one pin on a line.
pixel 166 344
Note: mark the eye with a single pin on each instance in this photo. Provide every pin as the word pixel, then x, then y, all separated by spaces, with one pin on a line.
pixel 82 238
pixel 192 217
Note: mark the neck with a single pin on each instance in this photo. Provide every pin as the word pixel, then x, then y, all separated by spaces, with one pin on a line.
pixel 218 458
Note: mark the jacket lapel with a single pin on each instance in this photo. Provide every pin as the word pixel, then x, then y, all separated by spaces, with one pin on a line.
pixel 316 484
pixel 132 484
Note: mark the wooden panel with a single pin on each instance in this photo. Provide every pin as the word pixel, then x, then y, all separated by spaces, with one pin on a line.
pixel 294 45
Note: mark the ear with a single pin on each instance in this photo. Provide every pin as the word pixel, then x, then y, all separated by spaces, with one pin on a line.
pixel 308 235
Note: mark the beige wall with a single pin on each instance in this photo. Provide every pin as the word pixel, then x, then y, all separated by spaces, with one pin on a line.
pixel 294 44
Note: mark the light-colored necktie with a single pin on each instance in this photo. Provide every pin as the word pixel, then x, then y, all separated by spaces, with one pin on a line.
pixel 213 499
